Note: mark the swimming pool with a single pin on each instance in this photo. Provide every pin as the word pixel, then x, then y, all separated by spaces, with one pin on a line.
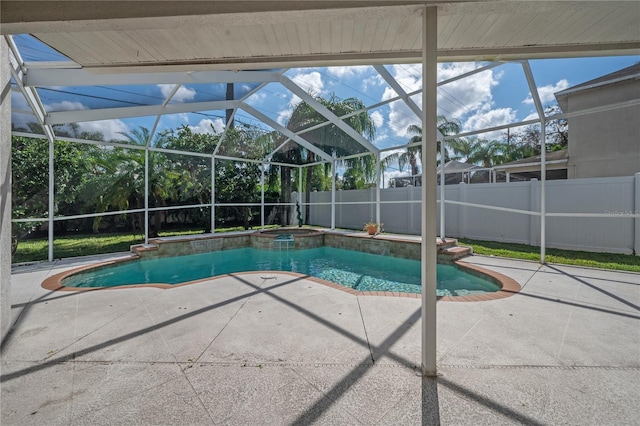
pixel 352 269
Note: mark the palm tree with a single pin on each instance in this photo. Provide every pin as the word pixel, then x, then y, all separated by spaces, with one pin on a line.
pixel 513 152
pixel 118 178
pixel 328 138
pixel 413 153
pixel 117 182
pixel 486 153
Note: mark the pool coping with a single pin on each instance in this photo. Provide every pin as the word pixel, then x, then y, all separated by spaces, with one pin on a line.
pixel 508 286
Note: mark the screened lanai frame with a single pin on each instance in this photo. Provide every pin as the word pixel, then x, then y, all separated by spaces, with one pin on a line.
pixel 488 29
pixel 44 74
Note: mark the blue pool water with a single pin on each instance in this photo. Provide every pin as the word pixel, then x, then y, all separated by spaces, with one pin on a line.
pixel 357 270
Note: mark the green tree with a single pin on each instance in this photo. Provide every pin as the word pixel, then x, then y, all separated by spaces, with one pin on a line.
pixel 30 180
pixel 29 184
pixel 479 151
pixel 237 182
pixel 413 153
pixel 30 177
pixel 486 153
pixel 117 181
pixel 191 175
pixel 72 130
pixel 527 142
pixel 328 138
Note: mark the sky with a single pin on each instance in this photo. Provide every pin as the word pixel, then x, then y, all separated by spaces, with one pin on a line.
pixel 489 98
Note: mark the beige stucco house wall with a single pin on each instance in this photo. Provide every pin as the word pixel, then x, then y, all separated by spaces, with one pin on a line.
pixel 604 144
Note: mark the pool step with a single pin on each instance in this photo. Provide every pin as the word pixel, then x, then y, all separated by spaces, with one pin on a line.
pixel 448 242
pixel 451 253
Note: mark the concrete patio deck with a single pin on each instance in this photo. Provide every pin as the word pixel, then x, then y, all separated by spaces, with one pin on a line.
pixel 273 349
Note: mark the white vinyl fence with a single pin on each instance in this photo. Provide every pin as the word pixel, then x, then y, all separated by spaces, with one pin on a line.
pixel 598 214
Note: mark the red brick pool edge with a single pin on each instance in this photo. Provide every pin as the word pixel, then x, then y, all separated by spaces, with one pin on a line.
pixel 508 286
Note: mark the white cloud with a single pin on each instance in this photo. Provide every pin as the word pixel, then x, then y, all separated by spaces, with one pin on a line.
pixel 400 118
pixel 455 100
pixel 256 99
pixel 377 118
pixel 546 92
pixel 284 114
pixel 463 96
pixel 65 106
pixel 183 93
pixel 348 71
pixel 371 82
pixel 309 82
pixel 409 77
pixel 206 125
pixel 488 117
pixel 111 129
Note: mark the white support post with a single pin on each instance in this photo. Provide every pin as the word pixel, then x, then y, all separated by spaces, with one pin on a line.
pixel 300 186
pixel 378 169
pixel 534 222
pixel 543 154
pixel 213 194
pixel 262 197
pixel 5 189
pixel 13 58
pixel 442 185
pixel 636 207
pixel 543 192
pixel 429 250
pixel 51 195
pixel 146 194
pixel 333 193
pixel 462 209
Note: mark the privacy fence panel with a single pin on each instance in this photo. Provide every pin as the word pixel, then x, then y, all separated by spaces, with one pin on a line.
pixel 612 196
pixel 403 212
pixel 319 214
pixel 617 199
pixel 483 224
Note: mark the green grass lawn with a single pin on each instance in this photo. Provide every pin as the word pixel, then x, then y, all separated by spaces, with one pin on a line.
pixel 621 262
pixel 84 245
pixel 89 244
pixel 74 245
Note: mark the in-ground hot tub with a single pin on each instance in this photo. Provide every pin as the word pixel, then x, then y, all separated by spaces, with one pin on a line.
pixel 303 238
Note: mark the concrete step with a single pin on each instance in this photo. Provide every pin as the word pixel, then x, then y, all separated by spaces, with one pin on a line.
pixel 452 253
pixel 449 242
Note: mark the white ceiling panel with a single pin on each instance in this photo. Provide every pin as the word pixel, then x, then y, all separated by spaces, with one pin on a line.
pixel 339 33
